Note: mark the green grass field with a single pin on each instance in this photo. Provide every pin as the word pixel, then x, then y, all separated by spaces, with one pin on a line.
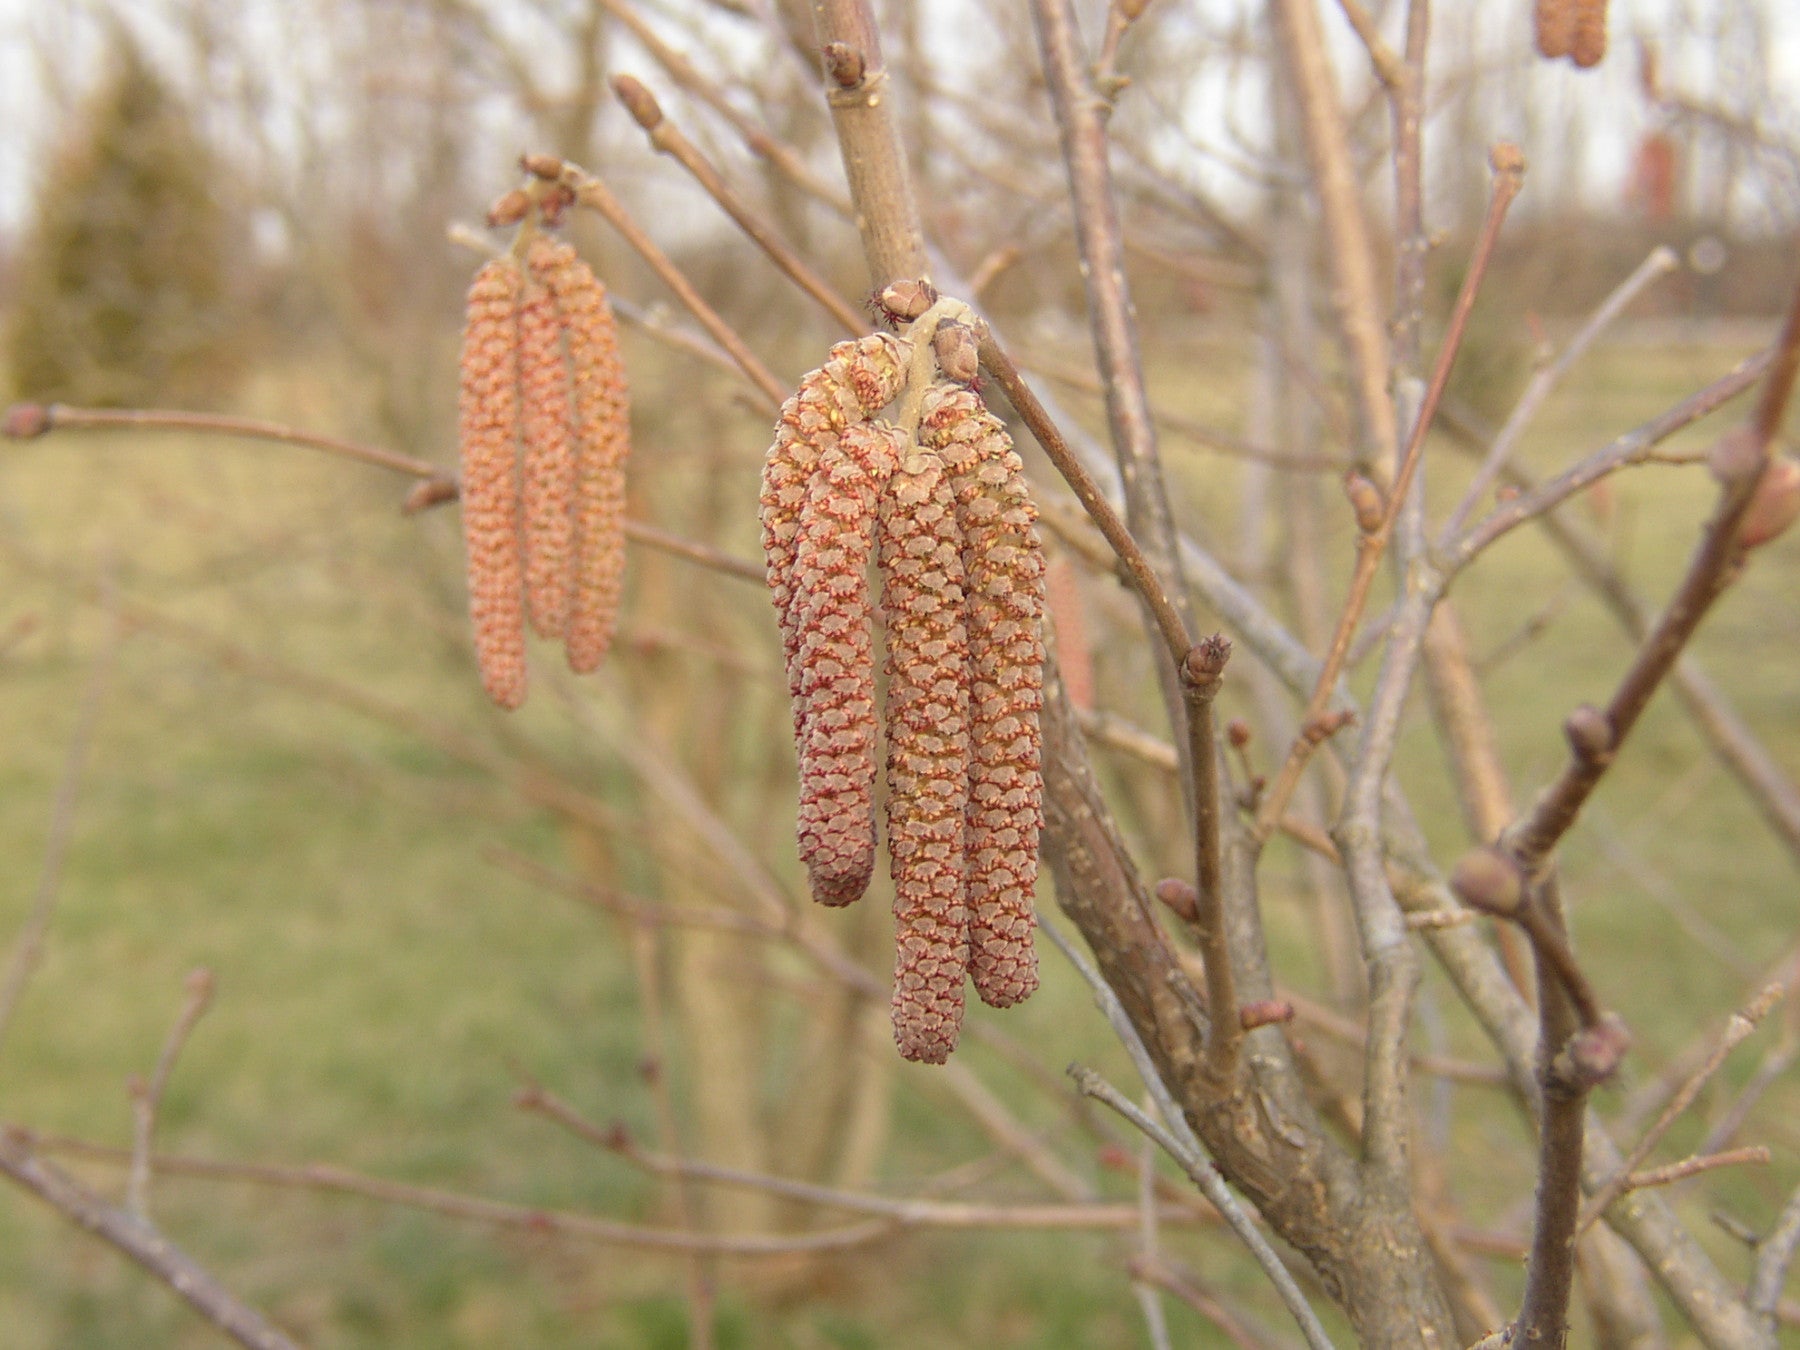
pixel 380 977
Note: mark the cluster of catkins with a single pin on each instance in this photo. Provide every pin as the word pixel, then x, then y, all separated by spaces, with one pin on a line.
pixel 1572 28
pixel 936 499
pixel 545 429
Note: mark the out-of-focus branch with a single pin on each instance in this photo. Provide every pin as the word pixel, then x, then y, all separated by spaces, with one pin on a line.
pixel 146 1098
pixel 132 1236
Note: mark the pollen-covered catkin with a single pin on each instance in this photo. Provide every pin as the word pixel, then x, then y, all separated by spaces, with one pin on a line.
pixel 549 480
pixel 602 445
pixel 858 379
pixel 489 435
pixel 835 704
pixel 1004 582
pixel 928 753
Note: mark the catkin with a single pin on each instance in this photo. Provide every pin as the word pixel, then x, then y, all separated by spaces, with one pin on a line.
pixel 858 379
pixel 1554 27
pixel 489 433
pixel 1004 581
pixel 549 485
pixel 602 416
pixel 928 753
pixel 836 698
pixel 1587 35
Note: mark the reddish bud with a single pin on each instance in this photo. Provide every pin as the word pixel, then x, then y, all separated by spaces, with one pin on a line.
pixel 1775 506
pixel 1591 1056
pixel 844 64
pixel 547 167
pixel 1506 157
pixel 1237 731
pixel 1206 659
pixel 509 208
pixel 1265 1012
pixel 27 420
pixel 1181 897
pixel 1489 880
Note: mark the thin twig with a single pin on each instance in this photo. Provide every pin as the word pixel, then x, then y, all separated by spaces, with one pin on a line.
pixel 140 1242
pixel 29 946
pixel 1660 262
pixel 668 138
pixel 1774 1254
pixel 592 193
pixel 1697 1163
pixel 146 1098
pixel 1737 1029
pixel 1508 176
pixel 1179 1142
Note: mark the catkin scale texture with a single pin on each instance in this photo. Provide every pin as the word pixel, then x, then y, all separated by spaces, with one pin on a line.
pixel 928 754
pixel 602 417
pixel 836 737
pixel 549 482
pixel 489 431
pixel 1004 585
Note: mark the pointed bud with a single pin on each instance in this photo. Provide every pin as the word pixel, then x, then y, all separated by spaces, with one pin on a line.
pixel 1489 880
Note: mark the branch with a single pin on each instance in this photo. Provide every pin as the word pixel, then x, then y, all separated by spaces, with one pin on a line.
pixel 136 1239
pixel 147 1098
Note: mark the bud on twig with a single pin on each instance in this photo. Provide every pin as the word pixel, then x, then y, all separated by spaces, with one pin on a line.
pixel 1734 456
pixel 638 101
pixel 509 208
pixel 27 420
pixel 1590 734
pixel 844 64
pixel 1264 1012
pixel 904 301
pixel 1489 880
pixel 547 167
pixel 1237 731
pixel 1775 506
pixel 1365 500
pixel 954 346
pixel 1181 897
pixel 1591 1056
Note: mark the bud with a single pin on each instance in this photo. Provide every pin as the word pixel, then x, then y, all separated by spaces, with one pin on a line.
pixel 638 101
pixel 24 421
pixel 1206 659
pixel 1506 157
pixel 954 346
pixel 1265 1012
pixel 1489 880
pixel 509 208
pixel 1365 500
pixel 904 301
pixel 427 493
pixel 1735 456
pixel 844 64
pixel 1591 1056
pixel 1775 506
pixel 547 167
pixel 1590 734
pixel 1237 731
pixel 1179 896
pixel 1587 39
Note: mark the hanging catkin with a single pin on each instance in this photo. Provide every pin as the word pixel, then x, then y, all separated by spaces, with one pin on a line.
pixel 1004 582
pixel 928 753
pixel 836 737
pixel 549 477
pixel 602 414
pixel 489 434
pixel 836 828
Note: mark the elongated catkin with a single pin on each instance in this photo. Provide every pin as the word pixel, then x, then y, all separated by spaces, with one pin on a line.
pixel 602 416
pixel 928 754
pixel 548 419
pixel 489 433
pixel 836 821
pixel 1004 583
